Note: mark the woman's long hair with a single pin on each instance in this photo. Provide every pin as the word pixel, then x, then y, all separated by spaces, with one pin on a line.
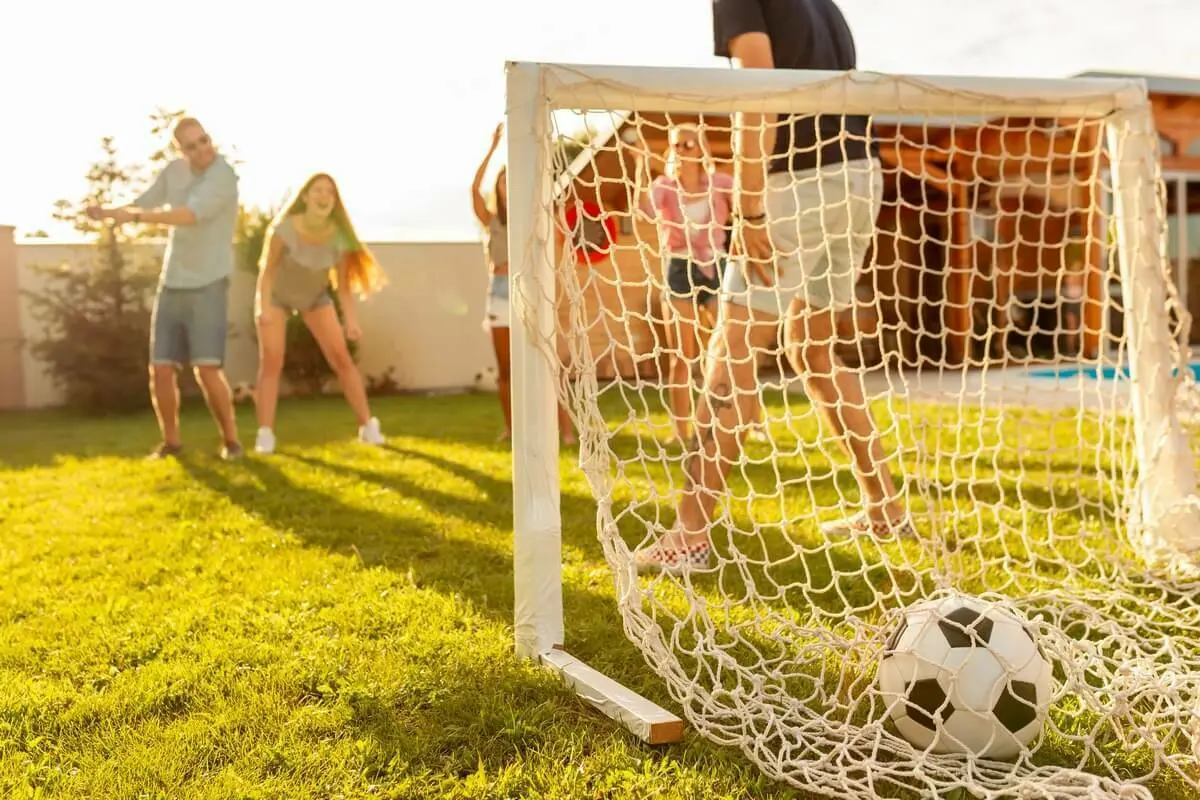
pixel 363 273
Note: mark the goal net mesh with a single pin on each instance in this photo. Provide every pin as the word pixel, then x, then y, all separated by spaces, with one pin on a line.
pixel 1014 287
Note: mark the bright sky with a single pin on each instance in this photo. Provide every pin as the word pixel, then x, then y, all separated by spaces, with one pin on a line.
pixel 398 99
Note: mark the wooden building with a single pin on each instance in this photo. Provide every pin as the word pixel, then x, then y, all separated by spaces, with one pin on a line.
pixel 1176 104
pixel 973 214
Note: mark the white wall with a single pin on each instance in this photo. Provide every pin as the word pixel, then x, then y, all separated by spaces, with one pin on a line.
pixel 426 324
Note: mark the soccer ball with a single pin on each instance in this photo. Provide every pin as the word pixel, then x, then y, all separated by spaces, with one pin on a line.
pixel 961 675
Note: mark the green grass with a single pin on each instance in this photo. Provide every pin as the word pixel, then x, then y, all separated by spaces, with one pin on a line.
pixel 335 621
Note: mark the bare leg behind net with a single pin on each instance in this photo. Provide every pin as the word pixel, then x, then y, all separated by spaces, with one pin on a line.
pixel 727 405
pixel 838 393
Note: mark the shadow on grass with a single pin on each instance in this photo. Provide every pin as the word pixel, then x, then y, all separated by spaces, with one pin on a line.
pixel 45 438
pixel 394 541
pixel 592 613
pixel 496 511
pixel 451 565
pixel 591 623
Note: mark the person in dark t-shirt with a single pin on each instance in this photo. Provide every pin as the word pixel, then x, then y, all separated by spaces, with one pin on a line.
pixel 804 34
pixel 807 193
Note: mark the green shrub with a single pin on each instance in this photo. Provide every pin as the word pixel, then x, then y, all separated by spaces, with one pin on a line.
pixel 96 315
pixel 97 330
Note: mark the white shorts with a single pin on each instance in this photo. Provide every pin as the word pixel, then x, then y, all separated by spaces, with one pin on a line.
pixel 822 222
pixel 498 313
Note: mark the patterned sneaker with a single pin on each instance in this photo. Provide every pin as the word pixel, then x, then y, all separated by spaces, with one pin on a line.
pixel 860 525
pixel 232 451
pixel 165 450
pixel 672 559
pixel 264 441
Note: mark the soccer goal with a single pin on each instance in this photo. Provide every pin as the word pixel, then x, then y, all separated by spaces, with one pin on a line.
pixel 1025 359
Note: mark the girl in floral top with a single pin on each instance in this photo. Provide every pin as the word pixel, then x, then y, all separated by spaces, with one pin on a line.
pixel 691 204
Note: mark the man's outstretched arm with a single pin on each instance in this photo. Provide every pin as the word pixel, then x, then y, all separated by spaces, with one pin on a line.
pixel 154 197
pixel 206 200
pixel 181 216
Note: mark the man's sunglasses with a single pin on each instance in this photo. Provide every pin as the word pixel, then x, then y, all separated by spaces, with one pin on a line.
pixel 690 144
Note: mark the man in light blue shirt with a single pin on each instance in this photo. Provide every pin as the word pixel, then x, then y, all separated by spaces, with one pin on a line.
pixel 196 196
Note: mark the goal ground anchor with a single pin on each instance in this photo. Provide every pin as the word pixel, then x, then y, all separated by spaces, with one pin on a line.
pixel 648 721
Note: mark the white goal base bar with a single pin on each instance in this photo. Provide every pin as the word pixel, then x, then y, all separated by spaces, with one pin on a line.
pixel 646 720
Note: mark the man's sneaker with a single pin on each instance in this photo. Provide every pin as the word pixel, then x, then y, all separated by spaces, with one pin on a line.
pixel 370 433
pixel 672 559
pixel 860 525
pixel 232 451
pixel 165 450
pixel 264 442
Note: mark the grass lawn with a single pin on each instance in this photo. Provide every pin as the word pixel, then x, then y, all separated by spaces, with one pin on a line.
pixel 330 622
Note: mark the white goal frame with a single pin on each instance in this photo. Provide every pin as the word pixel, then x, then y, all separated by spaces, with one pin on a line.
pixel 1166 489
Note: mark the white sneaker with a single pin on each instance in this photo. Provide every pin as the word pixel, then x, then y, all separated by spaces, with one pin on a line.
pixel 264 442
pixel 370 433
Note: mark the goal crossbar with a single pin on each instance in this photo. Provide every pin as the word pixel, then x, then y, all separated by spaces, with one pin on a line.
pixel 714 90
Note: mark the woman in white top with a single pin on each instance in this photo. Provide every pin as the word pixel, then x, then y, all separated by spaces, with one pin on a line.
pixel 310 246
pixel 494 219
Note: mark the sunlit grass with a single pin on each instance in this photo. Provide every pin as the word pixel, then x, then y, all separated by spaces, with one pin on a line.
pixel 335 621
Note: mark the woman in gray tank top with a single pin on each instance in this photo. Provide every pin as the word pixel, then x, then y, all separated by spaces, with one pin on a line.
pixel 310 246
pixel 494 219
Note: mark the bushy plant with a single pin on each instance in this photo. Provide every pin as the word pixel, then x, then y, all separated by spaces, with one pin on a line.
pixel 96 315
pixel 250 235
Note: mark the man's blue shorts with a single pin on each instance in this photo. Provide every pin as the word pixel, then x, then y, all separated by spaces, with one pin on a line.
pixel 190 326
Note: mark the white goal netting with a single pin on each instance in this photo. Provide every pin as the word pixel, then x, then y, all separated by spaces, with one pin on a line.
pixel 1017 337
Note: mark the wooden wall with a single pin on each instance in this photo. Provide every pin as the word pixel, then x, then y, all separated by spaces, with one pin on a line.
pixel 1178 122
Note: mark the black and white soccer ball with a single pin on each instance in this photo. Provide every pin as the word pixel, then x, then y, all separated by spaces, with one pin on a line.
pixel 961 675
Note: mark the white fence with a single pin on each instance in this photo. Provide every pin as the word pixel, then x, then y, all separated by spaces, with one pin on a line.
pixel 426 326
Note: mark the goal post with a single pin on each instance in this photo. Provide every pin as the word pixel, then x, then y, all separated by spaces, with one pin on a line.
pixel 1059 483
pixel 1167 507
pixel 537 518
